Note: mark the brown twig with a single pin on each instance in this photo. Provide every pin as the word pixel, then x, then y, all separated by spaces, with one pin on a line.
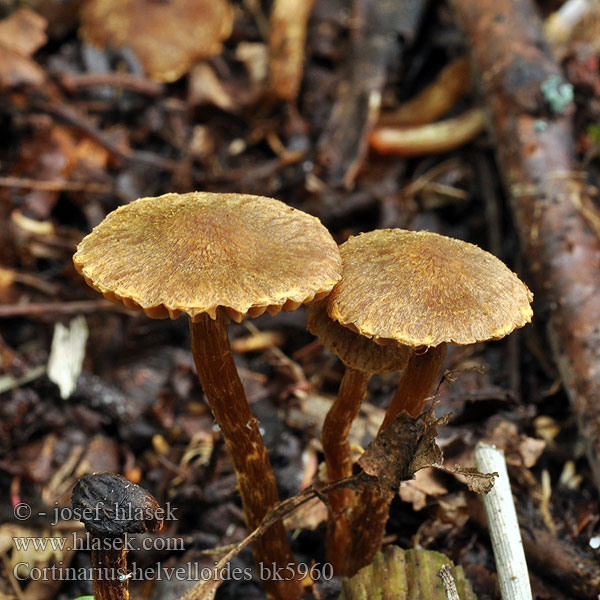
pixel 114 79
pixel 55 185
pixel 287 38
pixel 79 121
pixel 32 309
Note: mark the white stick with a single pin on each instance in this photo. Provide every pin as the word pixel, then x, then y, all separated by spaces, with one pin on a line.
pixel 504 527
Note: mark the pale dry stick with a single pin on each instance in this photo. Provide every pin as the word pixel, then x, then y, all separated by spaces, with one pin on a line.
pixel 507 544
pixel 445 574
pixel 560 25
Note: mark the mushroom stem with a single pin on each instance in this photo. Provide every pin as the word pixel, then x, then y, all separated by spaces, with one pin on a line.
pixel 338 458
pixel 110 570
pixel 370 513
pixel 416 384
pixel 223 388
pixel 111 507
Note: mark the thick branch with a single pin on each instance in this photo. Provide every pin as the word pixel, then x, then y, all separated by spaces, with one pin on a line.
pixel 529 109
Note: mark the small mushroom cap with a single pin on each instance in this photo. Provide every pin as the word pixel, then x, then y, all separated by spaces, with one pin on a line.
pixel 110 505
pixel 423 289
pixel 354 350
pixel 197 252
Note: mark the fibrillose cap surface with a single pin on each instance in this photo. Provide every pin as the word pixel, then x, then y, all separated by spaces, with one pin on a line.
pixel 354 350
pixel 197 252
pixel 423 289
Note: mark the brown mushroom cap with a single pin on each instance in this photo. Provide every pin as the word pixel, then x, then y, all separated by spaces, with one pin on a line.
pixel 423 289
pixel 200 251
pixel 354 350
pixel 167 37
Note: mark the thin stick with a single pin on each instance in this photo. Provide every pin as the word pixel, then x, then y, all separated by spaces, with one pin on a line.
pixel 55 185
pixel 114 79
pixel 31 309
pixel 504 527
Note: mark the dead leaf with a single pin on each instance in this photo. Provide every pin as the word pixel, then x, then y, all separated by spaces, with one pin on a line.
pixel 480 483
pixel 427 452
pixel 402 448
pixel 424 484
pixel 23 31
pixel 308 516
pixel 453 510
pixel 313 408
pixel 389 456
pixel 530 450
pixel 519 449
pixel 167 37
pixel 21 34
pixel 206 88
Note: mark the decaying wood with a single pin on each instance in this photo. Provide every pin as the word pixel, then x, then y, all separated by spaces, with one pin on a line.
pixel 530 111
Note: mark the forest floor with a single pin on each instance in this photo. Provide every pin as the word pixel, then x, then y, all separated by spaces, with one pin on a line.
pixel 86 128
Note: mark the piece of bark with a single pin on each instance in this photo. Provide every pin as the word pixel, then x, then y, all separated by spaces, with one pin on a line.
pixel 373 46
pixel 559 228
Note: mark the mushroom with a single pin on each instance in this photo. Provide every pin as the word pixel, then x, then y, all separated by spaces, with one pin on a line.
pixel 420 290
pixel 218 257
pixel 362 358
pixel 112 508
